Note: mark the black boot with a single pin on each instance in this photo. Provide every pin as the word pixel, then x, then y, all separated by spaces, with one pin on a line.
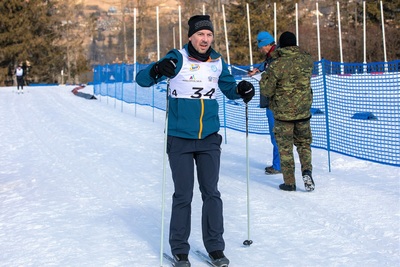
pixel 218 258
pixel 288 187
pixel 181 260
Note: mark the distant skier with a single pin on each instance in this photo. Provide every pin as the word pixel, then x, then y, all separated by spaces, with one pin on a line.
pixel 19 73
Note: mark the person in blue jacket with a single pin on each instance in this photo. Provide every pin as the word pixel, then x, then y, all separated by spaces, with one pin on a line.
pixel 196 74
pixel 266 45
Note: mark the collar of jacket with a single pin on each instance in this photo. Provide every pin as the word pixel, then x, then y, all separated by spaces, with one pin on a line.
pixel 270 51
pixel 214 55
pixel 289 50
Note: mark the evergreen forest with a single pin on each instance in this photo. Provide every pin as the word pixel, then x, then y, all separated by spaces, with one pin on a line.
pixel 59 41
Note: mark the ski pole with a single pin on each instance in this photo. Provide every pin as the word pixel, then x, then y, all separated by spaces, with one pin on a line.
pixel 248 241
pixel 164 177
pixel 246 71
pixel 243 70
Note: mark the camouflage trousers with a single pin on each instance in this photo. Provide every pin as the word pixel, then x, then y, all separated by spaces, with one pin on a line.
pixel 288 134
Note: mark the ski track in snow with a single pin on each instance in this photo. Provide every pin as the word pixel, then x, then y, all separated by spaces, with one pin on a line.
pixel 81 185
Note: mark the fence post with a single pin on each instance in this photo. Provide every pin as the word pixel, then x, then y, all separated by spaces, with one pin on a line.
pixel 152 101
pixel 328 143
pixel 135 93
pixel 124 76
pixel 118 70
pixel 108 80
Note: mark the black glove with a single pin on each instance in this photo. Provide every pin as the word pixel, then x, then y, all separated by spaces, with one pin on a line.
pixel 245 90
pixel 165 67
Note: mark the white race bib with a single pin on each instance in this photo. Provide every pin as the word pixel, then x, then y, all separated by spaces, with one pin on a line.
pixel 196 79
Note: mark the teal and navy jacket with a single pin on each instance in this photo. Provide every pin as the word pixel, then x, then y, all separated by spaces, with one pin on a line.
pixel 193 116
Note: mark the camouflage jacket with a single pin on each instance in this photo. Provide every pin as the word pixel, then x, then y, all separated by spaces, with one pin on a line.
pixel 287 84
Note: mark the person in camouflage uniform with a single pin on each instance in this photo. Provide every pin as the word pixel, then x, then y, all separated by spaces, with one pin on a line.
pixel 287 84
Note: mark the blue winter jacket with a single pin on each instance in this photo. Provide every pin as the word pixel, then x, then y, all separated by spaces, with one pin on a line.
pixel 192 118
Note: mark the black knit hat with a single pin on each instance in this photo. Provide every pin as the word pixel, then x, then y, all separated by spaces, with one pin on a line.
pixel 199 22
pixel 287 39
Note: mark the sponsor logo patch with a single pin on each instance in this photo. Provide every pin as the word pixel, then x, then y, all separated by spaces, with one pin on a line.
pixel 212 79
pixel 194 67
pixel 192 78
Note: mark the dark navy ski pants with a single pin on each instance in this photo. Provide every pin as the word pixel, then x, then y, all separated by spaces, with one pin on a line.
pixel 20 82
pixel 183 155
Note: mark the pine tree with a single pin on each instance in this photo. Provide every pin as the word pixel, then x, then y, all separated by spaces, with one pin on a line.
pixel 44 33
pixel 73 37
pixel 27 33
pixel 55 35
pixel 261 19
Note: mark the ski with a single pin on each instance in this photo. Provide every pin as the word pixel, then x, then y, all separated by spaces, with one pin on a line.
pixel 223 262
pixel 169 258
pixel 203 257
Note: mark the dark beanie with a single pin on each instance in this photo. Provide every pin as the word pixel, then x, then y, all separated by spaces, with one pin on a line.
pixel 199 22
pixel 287 39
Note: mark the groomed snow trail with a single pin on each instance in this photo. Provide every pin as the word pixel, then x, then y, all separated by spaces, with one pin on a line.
pixel 80 185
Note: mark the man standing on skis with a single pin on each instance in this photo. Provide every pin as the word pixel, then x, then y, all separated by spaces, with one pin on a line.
pixel 197 73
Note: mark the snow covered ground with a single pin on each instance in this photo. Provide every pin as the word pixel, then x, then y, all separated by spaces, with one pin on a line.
pixel 81 184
